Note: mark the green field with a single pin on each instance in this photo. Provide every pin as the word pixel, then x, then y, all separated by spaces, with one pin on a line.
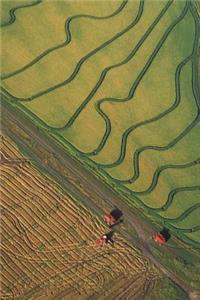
pixel 117 83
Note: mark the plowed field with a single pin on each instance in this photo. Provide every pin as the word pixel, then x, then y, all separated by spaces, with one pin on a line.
pixel 48 242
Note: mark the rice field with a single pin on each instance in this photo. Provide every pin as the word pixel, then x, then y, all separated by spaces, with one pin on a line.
pixel 48 245
pixel 118 81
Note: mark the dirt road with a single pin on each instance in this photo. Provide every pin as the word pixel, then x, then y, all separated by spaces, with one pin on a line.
pixel 81 183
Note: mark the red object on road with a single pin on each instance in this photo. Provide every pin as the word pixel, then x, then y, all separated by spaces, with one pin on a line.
pixel 108 218
pixel 162 237
pixel 159 238
pixel 113 217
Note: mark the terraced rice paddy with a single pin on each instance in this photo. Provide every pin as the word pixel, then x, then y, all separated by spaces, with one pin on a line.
pixel 48 242
pixel 118 81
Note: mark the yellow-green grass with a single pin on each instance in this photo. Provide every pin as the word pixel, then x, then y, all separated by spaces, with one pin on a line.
pixel 159 133
pixel 169 180
pixel 194 235
pixel 87 34
pixel 183 152
pixel 190 221
pixel 154 95
pixel 43 27
pixel 6 5
pixel 75 92
pixel 181 202
pixel 71 96
pixel 117 84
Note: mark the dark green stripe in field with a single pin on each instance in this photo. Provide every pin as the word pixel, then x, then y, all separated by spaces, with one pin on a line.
pixel 106 70
pixel 131 92
pixel 190 58
pixel 64 44
pixel 12 11
pixel 173 193
pixel 129 130
pixel 138 152
pixel 163 168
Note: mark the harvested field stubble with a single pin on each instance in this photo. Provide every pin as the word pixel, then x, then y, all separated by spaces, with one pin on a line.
pixel 47 242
